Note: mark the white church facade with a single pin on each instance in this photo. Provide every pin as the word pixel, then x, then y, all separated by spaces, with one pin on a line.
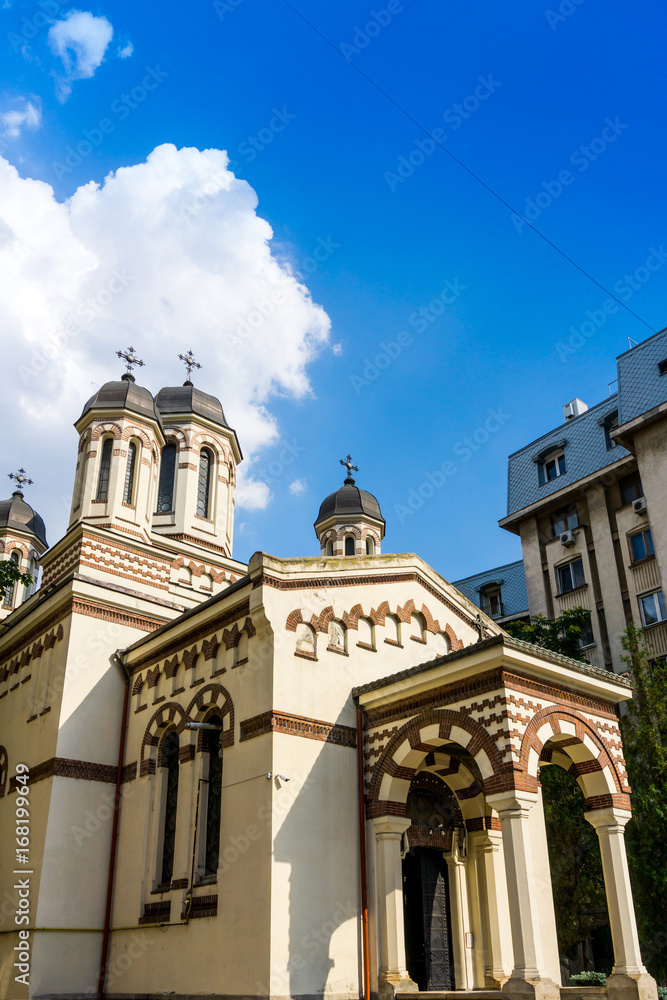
pixel 312 777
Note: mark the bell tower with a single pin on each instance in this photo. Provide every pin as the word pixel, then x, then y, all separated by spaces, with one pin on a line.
pixel 195 494
pixel 120 438
pixel 22 540
pixel 350 522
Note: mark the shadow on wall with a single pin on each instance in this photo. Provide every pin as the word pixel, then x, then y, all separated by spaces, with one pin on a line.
pixel 319 841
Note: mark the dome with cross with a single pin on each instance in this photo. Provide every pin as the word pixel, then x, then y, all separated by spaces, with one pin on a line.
pixel 350 521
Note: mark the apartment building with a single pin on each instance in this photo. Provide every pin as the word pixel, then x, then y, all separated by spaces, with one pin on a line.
pixel 589 502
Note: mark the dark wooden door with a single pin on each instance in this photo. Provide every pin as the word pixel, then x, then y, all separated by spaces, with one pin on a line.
pixel 427 922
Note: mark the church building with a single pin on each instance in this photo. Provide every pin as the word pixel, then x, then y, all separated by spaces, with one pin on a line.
pixel 305 777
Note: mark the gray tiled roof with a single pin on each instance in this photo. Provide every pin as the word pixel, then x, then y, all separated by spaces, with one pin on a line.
pixel 640 384
pixel 585 452
pixel 512 580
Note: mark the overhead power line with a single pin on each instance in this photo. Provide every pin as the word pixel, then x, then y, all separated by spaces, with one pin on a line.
pixel 468 170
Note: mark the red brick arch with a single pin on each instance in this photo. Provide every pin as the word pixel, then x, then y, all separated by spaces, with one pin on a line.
pixel 598 774
pixel 480 746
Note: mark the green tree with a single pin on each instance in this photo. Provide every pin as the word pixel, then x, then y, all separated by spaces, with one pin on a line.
pixel 10 575
pixel 575 864
pixel 574 852
pixel 562 635
pixel 644 729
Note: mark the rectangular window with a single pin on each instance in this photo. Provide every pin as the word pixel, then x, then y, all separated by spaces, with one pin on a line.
pixel 564 520
pixel 652 607
pixel 491 602
pixel 662 367
pixel 631 488
pixel 570 576
pixel 641 545
pixel 587 637
pixel 554 467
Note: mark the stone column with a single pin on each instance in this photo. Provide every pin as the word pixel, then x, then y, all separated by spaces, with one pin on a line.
pixel 393 974
pixel 528 978
pixel 629 979
pixel 459 910
pixel 493 905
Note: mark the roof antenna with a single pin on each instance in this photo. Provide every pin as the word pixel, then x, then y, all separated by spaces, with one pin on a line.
pixel 631 342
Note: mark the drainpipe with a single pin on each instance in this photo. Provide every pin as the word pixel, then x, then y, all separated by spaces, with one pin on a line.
pixel 118 659
pixel 362 856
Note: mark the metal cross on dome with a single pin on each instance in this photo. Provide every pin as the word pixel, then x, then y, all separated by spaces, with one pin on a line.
pixel 189 362
pixel 348 465
pixel 21 479
pixel 130 358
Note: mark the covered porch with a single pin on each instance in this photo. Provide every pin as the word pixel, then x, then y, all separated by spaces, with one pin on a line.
pixel 460 894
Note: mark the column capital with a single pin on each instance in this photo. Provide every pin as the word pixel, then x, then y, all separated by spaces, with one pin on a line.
pixel 390 825
pixel 608 817
pixel 513 800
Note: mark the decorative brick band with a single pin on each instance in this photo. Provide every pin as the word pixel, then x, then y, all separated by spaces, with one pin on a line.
pixel 353 581
pixel 200 906
pixel 93 610
pixel 63 767
pixel 240 610
pixel 298 725
pixel 156 913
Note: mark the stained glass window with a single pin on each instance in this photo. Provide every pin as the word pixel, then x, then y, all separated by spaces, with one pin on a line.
pixel 212 745
pixel 165 493
pixel 105 466
pixel 204 484
pixel 128 488
pixel 170 762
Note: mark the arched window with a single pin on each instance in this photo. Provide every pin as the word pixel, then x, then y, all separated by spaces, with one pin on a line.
pixel 105 467
pixel 170 763
pixel 128 488
pixel 213 797
pixel 349 545
pixel 165 492
pixel 417 623
pixel 366 633
pixel 10 589
pixel 329 549
pixel 204 483
pixel 370 546
pixel 392 630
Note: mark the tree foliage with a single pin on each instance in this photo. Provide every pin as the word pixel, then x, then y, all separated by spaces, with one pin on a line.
pixel 10 574
pixel 644 729
pixel 562 635
pixel 575 863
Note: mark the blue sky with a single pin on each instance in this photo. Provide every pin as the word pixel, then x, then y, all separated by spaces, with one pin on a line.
pixel 484 360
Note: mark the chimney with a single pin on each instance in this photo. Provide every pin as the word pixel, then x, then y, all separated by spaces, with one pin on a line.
pixel 574 409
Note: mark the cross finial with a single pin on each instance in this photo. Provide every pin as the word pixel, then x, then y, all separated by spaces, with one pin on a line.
pixel 481 627
pixel 21 480
pixel 348 465
pixel 131 359
pixel 189 362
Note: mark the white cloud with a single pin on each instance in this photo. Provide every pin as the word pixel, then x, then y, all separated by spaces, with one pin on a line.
pixel 29 116
pixel 251 493
pixel 80 40
pixel 129 262
pixel 125 51
pixel 337 349
pixel 298 486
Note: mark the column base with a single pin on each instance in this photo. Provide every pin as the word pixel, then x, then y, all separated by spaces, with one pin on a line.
pixel 391 983
pixel 536 988
pixel 495 980
pixel 621 986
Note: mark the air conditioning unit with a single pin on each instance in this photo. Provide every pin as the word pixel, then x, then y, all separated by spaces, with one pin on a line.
pixel 639 506
pixel 567 537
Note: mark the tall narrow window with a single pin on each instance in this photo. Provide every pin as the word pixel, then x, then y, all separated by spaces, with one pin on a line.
pixel 204 484
pixel 214 799
pixel 8 599
pixel 370 546
pixel 329 550
pixel 165 493
pixel 349 546
pixel 128 489
pixel 105 466
pixel 170 763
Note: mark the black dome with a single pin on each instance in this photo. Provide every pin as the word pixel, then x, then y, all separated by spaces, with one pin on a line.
pixel 188 399
pixel 123 395
pixel 17 515
pixel 350 502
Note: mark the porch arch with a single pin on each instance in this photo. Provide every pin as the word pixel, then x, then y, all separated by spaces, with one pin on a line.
pixel 565 738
